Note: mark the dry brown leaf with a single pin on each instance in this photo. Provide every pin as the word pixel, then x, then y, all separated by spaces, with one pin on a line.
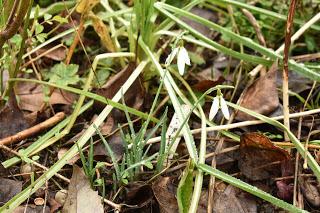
pixel 166 198
pixel 8 189
pixel 310 191
pixel 259 158
pixel 63 151
pixel 81 198
pixel 12 120
pixel 206 14
pixel 134 97
pixel 261 96
pixel 31 96
pixel 233 200
pixel 58 54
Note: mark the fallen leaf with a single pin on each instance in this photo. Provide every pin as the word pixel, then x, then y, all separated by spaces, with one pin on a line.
pixel 285 191
pixel 134 97
pixel 85 6
pixel 310 191
pixel 31 96
pixel 165 195
pixel 54 205
pixel 12 120
pixel 138 194
pixel 116 144
pixel 63 151
pixel 233 200
pixel 8 189
pixel 58 54
pixel 206 14
pixel 81 198
pixel 259 158
pixel 204 85
pixel 261 96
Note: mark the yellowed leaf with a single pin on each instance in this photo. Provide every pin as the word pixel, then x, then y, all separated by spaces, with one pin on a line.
pixel 103 32
pixel 86 6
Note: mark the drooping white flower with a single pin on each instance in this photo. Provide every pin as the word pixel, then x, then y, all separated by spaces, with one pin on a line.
pixel 182 58
pixel 214 108
pixel 219 103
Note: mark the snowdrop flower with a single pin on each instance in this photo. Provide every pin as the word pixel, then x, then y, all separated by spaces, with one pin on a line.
pixel 219 103
pixel 182 58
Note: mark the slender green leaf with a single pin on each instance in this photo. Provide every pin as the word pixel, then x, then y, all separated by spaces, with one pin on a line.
pixel 248 188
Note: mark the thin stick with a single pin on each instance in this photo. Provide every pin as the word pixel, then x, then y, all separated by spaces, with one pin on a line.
pixel 285 73
pixel 255 25
pixel 241 124
pixel 33 130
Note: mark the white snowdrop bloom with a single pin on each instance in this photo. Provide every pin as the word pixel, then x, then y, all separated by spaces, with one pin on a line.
pixel 219 103
pixel 182 58
pixel 214 108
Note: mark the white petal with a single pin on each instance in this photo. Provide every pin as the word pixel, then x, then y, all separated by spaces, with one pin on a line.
pixel 181 64
pixel 224 108
pixel 183 53
pixel 214 108
pixel 172 55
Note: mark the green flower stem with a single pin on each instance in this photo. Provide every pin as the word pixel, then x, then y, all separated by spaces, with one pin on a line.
pixel 177 107
pixel 248 188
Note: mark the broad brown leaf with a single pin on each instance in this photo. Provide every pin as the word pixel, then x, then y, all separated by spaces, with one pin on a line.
pixel 261 96
pixel 81 198
pixel 8 189
pixel 259 158
pixel 134 97
pixel 12 119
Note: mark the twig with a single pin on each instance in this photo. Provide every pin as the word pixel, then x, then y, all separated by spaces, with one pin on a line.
pixel 255 25
pixel 33 162
pixel 15 22
pixel 285 73
pixel 33 130
pixel 241 124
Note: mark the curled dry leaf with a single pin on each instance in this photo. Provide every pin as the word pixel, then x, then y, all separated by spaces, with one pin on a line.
pixel 310 191
pixel 81 198
pixel 103 32
pixel 31 96
pixel 259 158
pixel 261 96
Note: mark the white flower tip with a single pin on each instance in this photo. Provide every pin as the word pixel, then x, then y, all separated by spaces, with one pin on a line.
pixel 183 59
pixel 224 108
pixel 214 108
